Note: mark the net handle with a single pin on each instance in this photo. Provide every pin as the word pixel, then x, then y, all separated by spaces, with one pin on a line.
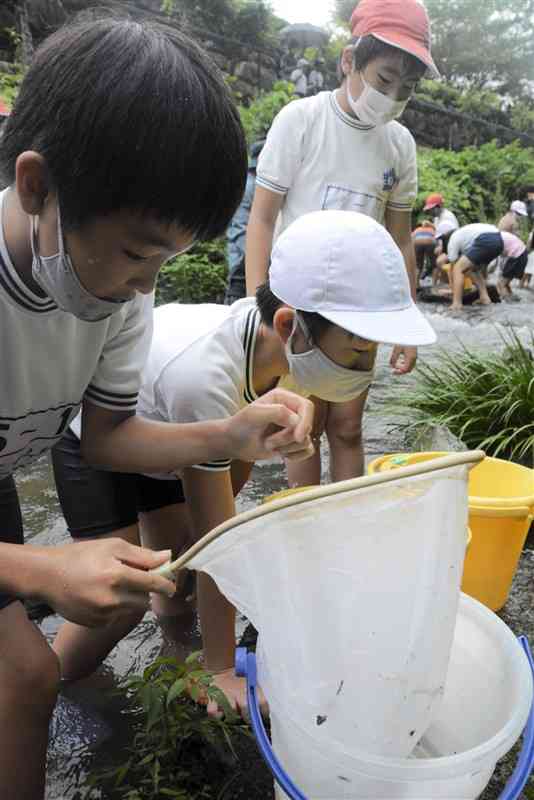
pixel 470 458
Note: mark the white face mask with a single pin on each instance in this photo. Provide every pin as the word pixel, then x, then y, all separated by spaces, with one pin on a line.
pixel 374 108
pixel 319 375
pixel 56 276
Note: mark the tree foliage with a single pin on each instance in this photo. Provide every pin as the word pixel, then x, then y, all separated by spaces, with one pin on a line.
pixel 487 45
pixel 478 183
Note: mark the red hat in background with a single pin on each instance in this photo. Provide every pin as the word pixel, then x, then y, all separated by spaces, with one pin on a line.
pixel 400 23
pixel 433 200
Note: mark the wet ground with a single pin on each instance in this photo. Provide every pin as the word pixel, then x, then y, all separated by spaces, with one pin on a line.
pixel 86 717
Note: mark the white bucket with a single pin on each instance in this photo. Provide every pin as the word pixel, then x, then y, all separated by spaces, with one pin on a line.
pixel 488 696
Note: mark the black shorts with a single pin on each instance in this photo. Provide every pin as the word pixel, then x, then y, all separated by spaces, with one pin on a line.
pixel 97 502
pixel 485 249
pixel 11 529
pixel 515 267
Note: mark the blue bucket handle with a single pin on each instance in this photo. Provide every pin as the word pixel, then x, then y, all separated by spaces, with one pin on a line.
pixel 245 667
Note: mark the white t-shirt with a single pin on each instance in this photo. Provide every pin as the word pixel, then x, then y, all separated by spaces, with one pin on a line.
pixel 200 365
pixel 462 239
pixel 319 158
pixel 50 361
pixel 446 222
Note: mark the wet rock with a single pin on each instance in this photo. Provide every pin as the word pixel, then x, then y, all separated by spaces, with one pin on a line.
pixel 438 438
pixel 253 73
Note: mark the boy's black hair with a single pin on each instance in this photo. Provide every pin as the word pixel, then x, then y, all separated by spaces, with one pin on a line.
pixel 130 116
pixel 368 48
pixel 268 304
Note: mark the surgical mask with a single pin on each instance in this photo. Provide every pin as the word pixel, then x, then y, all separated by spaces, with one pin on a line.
pixel 56 276
pixel 374 108
pixel 317 374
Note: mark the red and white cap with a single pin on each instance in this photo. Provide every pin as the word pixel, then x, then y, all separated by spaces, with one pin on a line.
pixel 346 267
pixel 399 23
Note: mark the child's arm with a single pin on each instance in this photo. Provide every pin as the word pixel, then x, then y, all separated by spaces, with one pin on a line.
pixel 398 224
pixel 90 583
pixel 210 501
pixel 261 225
pixel 279 422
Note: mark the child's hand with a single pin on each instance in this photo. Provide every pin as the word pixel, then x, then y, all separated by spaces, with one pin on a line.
pixel 279 423
pixel 403 359
pixel 235 691
pixel 94 583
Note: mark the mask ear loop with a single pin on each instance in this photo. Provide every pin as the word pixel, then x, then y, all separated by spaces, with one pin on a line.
pixel 299 320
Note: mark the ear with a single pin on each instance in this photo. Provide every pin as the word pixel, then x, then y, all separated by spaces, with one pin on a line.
pixel 283 323
pixel 347 60
pixel 32 181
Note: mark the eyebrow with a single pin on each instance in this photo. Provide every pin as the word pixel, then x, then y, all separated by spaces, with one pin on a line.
pixel 152 240
pixel 396 73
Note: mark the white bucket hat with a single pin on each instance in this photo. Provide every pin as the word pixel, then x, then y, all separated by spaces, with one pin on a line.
pixel 346 267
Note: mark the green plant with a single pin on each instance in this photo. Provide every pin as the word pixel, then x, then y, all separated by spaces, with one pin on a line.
pixel 9 85
pixel 476 179
pixel 198 276
pixel 176 751
pixel 485 399
pixel 258 117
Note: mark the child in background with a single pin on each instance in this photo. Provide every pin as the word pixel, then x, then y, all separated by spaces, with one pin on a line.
pixel 424 242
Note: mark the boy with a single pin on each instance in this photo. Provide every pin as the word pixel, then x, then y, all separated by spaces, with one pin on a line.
pixel 345 150
pixel 472 248
pixel 123 148
pixel 217 363
pixel 444 220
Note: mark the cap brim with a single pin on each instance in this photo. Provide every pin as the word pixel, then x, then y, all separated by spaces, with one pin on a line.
pixel 430 207
pixel 406 327
pixel 411 47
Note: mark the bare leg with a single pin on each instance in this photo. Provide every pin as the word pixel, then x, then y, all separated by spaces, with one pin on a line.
pixel 81 650
pixel 457 271
pixel 29 680
pixel 344 431
pixel 169 528
pixel 308 472
pixel 480 282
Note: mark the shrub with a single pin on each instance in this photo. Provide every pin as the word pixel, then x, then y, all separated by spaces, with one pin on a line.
pixel 198 276
pixel 259 116
pixel 485 399
pixel 477 182
pixel 176 751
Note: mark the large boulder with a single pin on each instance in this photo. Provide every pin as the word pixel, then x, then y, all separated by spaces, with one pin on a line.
pixel 256 75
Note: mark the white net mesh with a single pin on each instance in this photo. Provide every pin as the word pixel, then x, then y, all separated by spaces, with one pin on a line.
pixel 355 597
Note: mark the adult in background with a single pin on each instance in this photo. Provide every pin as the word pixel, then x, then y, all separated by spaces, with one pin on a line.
pixel 316 79
pixel 299 77
pixel 236 235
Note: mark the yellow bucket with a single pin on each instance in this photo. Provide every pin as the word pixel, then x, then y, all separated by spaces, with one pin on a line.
pixel 501 508
pixel 286 493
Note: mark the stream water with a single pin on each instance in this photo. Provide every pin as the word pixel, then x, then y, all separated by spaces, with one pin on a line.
pixel 85 717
